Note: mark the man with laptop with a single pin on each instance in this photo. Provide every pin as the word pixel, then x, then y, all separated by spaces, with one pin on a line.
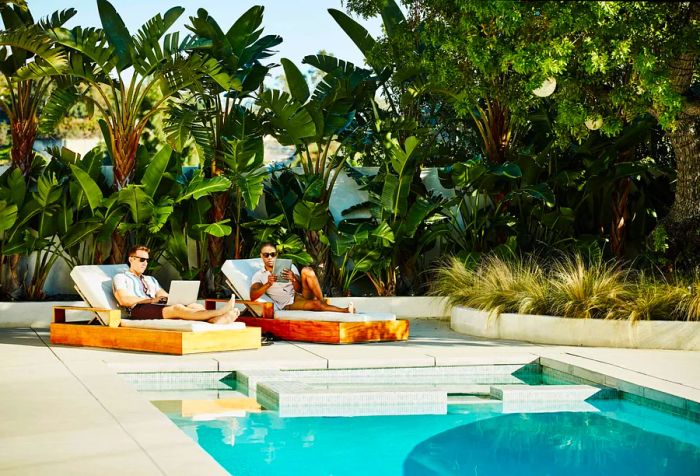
pixel 143 298
pixel 288 288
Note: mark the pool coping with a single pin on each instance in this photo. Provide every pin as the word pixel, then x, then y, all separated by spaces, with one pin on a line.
pixel 157 446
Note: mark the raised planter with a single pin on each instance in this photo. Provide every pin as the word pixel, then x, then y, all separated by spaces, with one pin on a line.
pixel 38 314
pixel 678 335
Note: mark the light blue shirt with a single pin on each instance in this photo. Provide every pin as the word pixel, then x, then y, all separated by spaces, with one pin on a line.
pixel 133 285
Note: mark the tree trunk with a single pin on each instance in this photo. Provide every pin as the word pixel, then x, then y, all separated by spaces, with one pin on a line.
pixel 23 137
pixel 683 220
pixel 686 147
pixel 216 246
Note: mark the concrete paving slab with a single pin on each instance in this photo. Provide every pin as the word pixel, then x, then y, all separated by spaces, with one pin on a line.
pixel 64 402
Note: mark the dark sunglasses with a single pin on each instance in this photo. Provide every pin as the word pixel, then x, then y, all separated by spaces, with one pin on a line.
pixel 141 259
pixel 269 255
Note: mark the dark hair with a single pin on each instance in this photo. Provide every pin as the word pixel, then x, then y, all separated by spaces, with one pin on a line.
pixel 136 248
pixel 266 244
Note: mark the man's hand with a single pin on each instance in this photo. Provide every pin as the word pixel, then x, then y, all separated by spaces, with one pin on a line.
pixel 289 275
pixel 271 279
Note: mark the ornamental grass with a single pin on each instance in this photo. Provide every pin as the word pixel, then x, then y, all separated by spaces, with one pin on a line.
pixel 569 287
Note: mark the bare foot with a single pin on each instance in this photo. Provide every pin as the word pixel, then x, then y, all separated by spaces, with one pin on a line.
pixel 228 318
pixel 351 308
pixel 229 305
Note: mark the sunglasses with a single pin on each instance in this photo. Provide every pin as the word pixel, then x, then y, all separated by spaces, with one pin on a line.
pixel 142 260
pixel 269 255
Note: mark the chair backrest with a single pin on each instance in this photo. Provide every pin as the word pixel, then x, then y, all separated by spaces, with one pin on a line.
pixel 239 273
pixel 94 283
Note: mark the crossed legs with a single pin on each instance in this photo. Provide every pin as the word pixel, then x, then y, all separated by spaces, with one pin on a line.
pixel 311 296
pixel 196 312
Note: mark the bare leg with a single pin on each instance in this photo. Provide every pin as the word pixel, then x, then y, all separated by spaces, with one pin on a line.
pixel 304 304
pixel 310 287
pixel 179 311
pixel 228 318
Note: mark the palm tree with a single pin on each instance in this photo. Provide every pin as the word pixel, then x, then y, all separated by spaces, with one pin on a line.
pixel 26 47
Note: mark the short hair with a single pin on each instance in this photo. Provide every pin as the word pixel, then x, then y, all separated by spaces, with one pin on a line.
pixel 266 244
pixel 136 248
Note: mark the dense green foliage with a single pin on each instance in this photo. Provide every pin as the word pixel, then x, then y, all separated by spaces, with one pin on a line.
pixel 591 166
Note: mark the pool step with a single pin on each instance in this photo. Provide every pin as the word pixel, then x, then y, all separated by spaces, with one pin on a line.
pixel 294 399
pixel 484 375
pixel 551 393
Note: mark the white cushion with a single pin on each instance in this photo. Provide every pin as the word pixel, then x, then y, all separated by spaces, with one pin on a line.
pixel 239 273
pixel 328 316
pixel 180 325
pixel 94 283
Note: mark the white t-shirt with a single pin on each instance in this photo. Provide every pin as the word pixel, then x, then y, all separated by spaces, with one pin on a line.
pixel 282 294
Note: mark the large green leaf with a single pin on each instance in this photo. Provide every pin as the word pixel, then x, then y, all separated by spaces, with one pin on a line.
pixel 357 33
pixel 251 186
pixel 416 216
pixel 139 202
pixel 310 215
pixel 291 121
pixel 89 188
pixel 155 170
pixel 392 17
pixel 80 232
pixel 161 213
pixel 116 32
pixel 47 192
pixel 218 229
pixel 17 187
pixel 199 187
pixel 8 215
pixel 296 81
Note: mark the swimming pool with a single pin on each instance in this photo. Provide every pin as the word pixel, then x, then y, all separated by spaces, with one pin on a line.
pixel 474 435
pixel 619 437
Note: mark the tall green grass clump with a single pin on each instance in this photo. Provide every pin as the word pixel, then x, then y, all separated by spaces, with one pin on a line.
pixel 587 289
pixel 569 287
pixel 660 300
pixel 496 285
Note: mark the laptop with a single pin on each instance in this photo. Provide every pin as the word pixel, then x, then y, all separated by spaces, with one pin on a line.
pixel 183 292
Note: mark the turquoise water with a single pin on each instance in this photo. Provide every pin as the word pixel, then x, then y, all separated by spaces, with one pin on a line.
pixel 618 438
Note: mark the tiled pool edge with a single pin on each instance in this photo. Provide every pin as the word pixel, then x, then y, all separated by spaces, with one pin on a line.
pixel 653 392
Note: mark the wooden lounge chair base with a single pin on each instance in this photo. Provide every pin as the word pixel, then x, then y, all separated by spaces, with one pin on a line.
pixel 150 340
pixel 331 332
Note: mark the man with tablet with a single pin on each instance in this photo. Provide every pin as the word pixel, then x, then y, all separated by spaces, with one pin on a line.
pixel 143 298
pixel 289 289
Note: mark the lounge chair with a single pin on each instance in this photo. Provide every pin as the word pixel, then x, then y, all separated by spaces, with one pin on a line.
pixel 307 326
pixel 109 330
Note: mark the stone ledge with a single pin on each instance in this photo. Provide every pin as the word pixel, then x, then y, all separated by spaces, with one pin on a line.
pixel 676 335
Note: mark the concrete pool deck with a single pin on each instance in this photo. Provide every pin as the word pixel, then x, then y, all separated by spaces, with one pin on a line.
pixel 66 411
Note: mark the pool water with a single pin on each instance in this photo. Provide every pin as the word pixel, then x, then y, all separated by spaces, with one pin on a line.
pixel 613 437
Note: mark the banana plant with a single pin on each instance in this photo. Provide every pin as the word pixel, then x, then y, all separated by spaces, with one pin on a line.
pixel 98 60
pixel 227 134
pixel 35 228
pixel 159 211
pixel 402 212
pixel 322 127
pixel 25 47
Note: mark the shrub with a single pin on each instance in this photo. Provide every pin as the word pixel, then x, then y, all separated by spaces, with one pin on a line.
pixel 569 287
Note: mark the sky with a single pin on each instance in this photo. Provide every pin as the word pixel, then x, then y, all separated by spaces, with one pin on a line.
pixel 305 25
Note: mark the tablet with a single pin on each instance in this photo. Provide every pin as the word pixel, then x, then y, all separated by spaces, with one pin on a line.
pixel 280 265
